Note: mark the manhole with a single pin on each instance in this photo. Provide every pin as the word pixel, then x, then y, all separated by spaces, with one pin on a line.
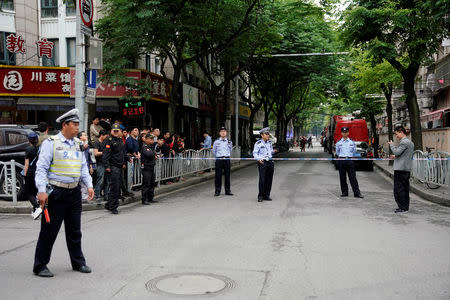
pixel 190 284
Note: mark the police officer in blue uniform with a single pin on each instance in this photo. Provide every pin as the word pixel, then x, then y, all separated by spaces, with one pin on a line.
pixel 222 151
pixel 62 164
pixel 346 148
pixel 263 152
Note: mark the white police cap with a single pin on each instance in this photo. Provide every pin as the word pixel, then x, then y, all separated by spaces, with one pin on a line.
pixel 264 130
pixel 70 116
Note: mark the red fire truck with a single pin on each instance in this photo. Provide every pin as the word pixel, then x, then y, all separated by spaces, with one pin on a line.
pixel 358 132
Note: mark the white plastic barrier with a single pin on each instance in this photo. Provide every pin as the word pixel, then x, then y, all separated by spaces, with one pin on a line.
pixel 8 180
pixel 179 165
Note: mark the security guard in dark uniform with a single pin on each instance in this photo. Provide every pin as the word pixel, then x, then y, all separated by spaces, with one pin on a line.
pixel 148 161
pixel 222 151
pixel 114 161
pixel 60 167
pixel 263 152
pixel 346 148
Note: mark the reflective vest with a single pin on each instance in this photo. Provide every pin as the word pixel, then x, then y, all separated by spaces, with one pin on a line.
pixel 67 160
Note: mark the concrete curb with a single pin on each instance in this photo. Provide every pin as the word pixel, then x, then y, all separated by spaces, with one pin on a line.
pixel 415 189
pixel 11 209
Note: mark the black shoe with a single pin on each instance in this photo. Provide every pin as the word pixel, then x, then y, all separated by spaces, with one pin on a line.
pixel 399 210
pixel 114 211
pixel 216 194
pixel 127 194
pixel 107 207
pixel 153 201
pixel 45 272
pixel 229 193
pixel 268 199
pixel 344 195
pixel 145 203
pixel 260 199
pixel 83 269
pixel 359 196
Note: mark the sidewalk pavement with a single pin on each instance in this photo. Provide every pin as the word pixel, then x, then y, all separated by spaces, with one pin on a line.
pixel 24 207
pixel 439 196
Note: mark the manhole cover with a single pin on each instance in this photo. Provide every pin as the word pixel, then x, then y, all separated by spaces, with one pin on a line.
pixel 190 284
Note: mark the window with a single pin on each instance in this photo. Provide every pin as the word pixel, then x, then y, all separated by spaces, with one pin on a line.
pixel 157 66
pixel 6 57
pixel 54 61
pixel 49 8
pixel 131 64
pixel 7 4
pixel 71 52
pixel 14 138
pixel 148 62
pixel 70 8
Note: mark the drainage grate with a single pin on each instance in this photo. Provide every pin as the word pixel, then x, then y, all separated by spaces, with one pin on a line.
pixel 190 284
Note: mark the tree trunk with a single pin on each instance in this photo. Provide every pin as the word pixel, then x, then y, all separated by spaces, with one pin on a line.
pixel 388 95
pixel 376 138
pixel 413 108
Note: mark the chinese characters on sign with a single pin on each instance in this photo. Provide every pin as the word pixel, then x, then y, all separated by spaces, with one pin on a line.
pixel 35 81
pixel 133 108
pixel 45 48
pixel 15 44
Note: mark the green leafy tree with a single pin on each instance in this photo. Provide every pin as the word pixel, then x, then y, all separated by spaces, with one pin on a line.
pixel 404 33
pixel 372 78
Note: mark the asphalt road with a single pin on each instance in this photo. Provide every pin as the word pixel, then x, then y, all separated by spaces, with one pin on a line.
pixel 306 244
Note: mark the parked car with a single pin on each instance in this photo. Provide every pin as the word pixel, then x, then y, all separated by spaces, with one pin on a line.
pixel 13 143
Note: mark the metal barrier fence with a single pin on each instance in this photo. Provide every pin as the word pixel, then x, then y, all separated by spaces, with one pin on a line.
pixel 8 180
pixel 435 171
pixel 179 165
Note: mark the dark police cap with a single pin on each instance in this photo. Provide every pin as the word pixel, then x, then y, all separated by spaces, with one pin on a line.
pixel 344 129
pixel 222 128
pixel 32 136
pixel 149 136
pixel 116 127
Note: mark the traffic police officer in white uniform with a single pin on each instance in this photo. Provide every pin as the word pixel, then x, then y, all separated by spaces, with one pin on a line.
pixel 263 152
pixel 62 164
pixel 346 148
pixel 222 151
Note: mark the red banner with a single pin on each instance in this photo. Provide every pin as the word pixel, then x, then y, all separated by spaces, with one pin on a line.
pixel 34 81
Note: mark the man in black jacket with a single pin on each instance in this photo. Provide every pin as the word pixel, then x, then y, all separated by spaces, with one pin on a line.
pixel 148 161
pixel 114 161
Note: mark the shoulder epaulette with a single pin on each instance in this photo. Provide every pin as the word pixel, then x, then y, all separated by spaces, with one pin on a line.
pixel 53 137
pixel 258 142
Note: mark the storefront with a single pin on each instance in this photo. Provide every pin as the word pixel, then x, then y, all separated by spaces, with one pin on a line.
pixel 29 95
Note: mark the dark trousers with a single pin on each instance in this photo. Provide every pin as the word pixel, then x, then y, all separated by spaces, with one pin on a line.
pixel 63 205
pixel 348 167
pixel 225 165
pixel 401 189
pixel 148 184
pixel 265 179
pixel 114 180
pixel 30 190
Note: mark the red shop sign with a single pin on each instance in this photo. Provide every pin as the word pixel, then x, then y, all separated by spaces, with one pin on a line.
pixel 26 81
pixel 158 84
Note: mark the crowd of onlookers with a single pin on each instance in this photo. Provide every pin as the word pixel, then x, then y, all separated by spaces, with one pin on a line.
pixel 302 142
pixel 93 144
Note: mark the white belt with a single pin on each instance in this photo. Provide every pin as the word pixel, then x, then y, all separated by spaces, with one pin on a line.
pixel 64 185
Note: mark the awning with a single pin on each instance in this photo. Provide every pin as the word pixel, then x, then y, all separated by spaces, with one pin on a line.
pixel 7 101
pixel 63 104
pixel 433 116
pixel 53 104
pixel 107 105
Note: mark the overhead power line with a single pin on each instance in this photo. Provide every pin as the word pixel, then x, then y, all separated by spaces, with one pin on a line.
pixel 304 54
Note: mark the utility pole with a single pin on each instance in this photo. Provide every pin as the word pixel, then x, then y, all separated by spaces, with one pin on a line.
pixel 79 71
pixel 236 112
